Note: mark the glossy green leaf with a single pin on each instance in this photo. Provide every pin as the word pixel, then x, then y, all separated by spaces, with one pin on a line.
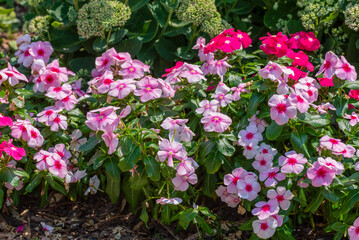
pixel 331 196
pixel 144 214
pixel 299 142
pixel 56 185
pixel 35 181
pixel 254 101
pixel 1 198
pixel 341 105
pixel 136 4
pixel 184 53
pixel 139 180
pixel 165 214
pixel 152 168
pixel 90 144
pixel 315 203
pixel 349 201
pixel 131 152
pixel 100 44
pixel 204 225
pixel 158 12
pixel 166 49
pixel 209 185
pixel 132 196
pixel 225 147
pixel 83 65
pixel 113 186
pixel 273 131
pixel 214 161
pixel 186 217
pixel 132 46
pixel 315 120
pixel 111 166
pixel 117 36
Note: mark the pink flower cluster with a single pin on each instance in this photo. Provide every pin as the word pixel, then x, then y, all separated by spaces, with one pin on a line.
pixel 11 150
pixel 23 129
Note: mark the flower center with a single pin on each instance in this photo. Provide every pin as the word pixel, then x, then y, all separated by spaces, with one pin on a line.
pixel 327 64
pixel 249 135
pixel 40 52
pixel 280 198
pixel 272 174
pixel 262 162
pixel 265 208
pixel 281 107
pixel 292 161
pixel 321 172
pixel 333 141
pixel 33 134
pixel 264 226
pixel 347 68
pixel 249 188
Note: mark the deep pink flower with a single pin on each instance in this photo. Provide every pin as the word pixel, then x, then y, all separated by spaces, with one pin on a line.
pixel 326 82
pixel 216 122
pixel 333 144
pixel 296 73
pixel 133 69
pixel 292 162
pixel 282 196
pixel 99 118
pixel 59 93
pixel 274 44
pixel 19 129
pixel 5 121
pixel 148 88
pixel 248 188
pixel 265 228
pixel 171 71
pixel 170 150
pixel 329 66
pixel 281 109
pixel 230 180
pixel 271 176
pixel 15 152
pixel 308 41
pixel 345 71
pixel 265 209
pixel 67 103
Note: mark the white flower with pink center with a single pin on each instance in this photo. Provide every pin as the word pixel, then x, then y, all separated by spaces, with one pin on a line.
pixel 354 118
pixel 222 192
pixel 191 72
pixel 232 200
pixel 249 136
pixel 170 150
pixel 265 228
pixel 67 102
pixel 296 99
pixel 345 71
pixel 248 188
pixel 60 121
pixel 222 88
pixel 250 151
pixel 58 167
pixel 186 134
pixel 12 75
pixel 333 144
pixel 338 167
pixel 216 122
pixel 329 65
pixel 271 176
pixel 48 115
pixel 292 162
pixel 207 106
pixel 263 162
pixel 348 152
pixel 164 201
pixel 43 159
pixel 172 124
pixel 59 93
pixel 281 109
pixel 223 98
pixel 274 71
pixel 321 175
pixel 353 231
pixel 148 88
pixel 167 89
pixel 180 182
pixel 61 151
pixel 133 69
pixel 264 210
pixel 35 137
pixel 324 107
pixel 282 196
pixel 267 149
pixel 308 92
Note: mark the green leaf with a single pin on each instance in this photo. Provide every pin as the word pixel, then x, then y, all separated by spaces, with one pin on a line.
pixel 136 4
pixel 166 49
pixel 113 186
pixel 132 196
pixel 111 166
pixel 35 181
pixel 117 36
pixel 99 161
pixel 314 120
pixel 242 8
pixel 99 44
pixel 144 214
pixel 66 40
pixel 225 147
pixel 56 185
pixel 19 103
pixel 90 144
pixel 338 226
pixel 186 217
pixel 20 173
pixel 23 92
pixel 152 168
pixel 132 46
pixel 273 131
pixel 247 226
pixel 140 180
pixel 331 196
pixel 349 201
pixel 341 105
pixel 205 148
pixel 184 53
pixel 165 214
pixel 299 142
pixel 214 161
pixel 254 101
pixel 170 3
pixel 344 125
pixel 1 198
pixel 210 181
pixel 158 12
pixel 83 65
pixel 204 226
pixel 284 233
pixel 131 153
pixel 315 203
pixel 357 45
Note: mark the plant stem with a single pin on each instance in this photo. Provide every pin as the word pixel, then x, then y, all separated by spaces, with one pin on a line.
pixel 167 22
pixel 108 38
pixel 76 4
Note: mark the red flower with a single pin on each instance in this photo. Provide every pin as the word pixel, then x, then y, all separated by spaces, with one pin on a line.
pixel 297 74
pixel 326 82
pixel 300 59
pixel 275 44
pixel 15 152
pixel 354 94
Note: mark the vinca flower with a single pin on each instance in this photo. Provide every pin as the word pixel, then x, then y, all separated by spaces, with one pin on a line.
pixel 282 196
pixel 216 122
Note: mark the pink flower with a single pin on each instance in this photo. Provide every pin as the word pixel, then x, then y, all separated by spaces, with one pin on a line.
pixel 41 50
pixel 248 188
pixel 216 122
pixel 48 115
pixel 5 121
pixel 329 66
pixel 230 180
pixel 250 151
pixel 99 118
pixel 300 59
pixel 292 163
pixel 148 88
pixel 281 109
pixel 62 72
pixel 75 177
pixel 238 91
pixel 267 149
pixel 308 41
pixel 266 209
pixel 109 137
pixel 76 142
pixel 232 200
pixel 43 159
pixel 274 71
pixel 326 82
pixel 15 152
pixel 271 176
pixel 76 87
pixel 348 152
pixel 259 123
pixel 353 231
pixel 321 174
pixel 333 144
pixel 207 106
pixel 223 98
pixel 47 228
pixel 67 103
pixel 345 71
pixel 164 201
pixel 172 124
pixel 106 60
pixel 122 88
pixel 186 134
pixel 167 90
pixel 13 75
pixel 297 99
pixel 265 228
pixel 59 93
pixel 249 136
pixel 274 44
pixel 181 181
pixel 35 137
pixel 222 192
pixel 60 121
pixel 191 72
pixel 296 73
pixel 170 72
pixel 282 196
pixel 59 167
pixel 263 162
pixel 338 167
pixel 19 129
pixel 220 67
pixel 61 151
pixel 124 113
pixel 50 79
pixel 133 69
pixel 170 150
pixel 354 118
